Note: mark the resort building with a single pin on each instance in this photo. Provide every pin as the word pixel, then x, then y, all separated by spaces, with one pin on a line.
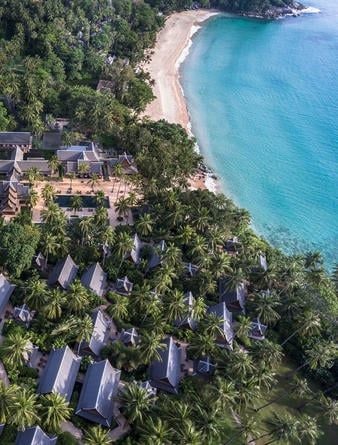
pixel 23 315
pixel 81 160
pixel 157 254
pixel 135 253
pixel 257 330
pixel 225 316
pixel 100 387
pixel 126 161
pixel 204 366
pixel 147 387
pixel 95 279
pixel 6 290
pixel 129 337
pixel 234 297
pixel 34 436
pixel 262 263
pixel 100 335
pixel 123 286
pixel 188 320
pixel 63 273
pixel 165 373
pixel 13 195
pixel 232 245
pixel 15 139
pixel 60 373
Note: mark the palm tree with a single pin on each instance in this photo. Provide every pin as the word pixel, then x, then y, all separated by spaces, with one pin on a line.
pixel 328 409
pixel 14 349
pixel 7 396
pixel 53 164
pixel 97 435
pixel 199 309
pixel 122 207
pixel 307 430
pixel 24 409
pixel 71 177
pixel 244 326
pixel 99 198
pixel 118 174
pixel 266 305
pixel 213 325
pixel 76 202
pixel 145 224
pixel 136 402
pixel 175 306
pixel 36 293
pixel 240 363
pixel 93 181
pixel 33 198
pixel 268 352
pixel 247 428
pixel 150 346
pixel 202 345
pixel 156 432
pixel 83 169
pixel 187 234
pixel 33 176
pixel 51 215
pixel 172 256
pixel 309 324
pixel 48 193
pixel 54 304
pixel 120 307
pixel 84 329
pixel 55 410
pixel 226 393
pixel 123 245
pixel 78 297
pixel 50 245
pixel 188 434
pixel 86 227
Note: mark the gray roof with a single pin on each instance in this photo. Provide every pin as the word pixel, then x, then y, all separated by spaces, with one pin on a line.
pixel 135 253
pixel 34 436
pixel 129 336
pixel 23 314
pixel 221 311
pixel 6 290
pixel 60 373
pixel 204 366
pixel 188 320
pixel 41 164
pixel 41 261
pixel 234 297
pixel 232 244
pixel 156 257
pixel 257 330
pixel 15 138
pixel 263 264
pixel 123 285
pixel 165 373
pixel 63 273
pixel 100 334
pixel 147 387
pixel 95 279
pixel 51 140
pixel 98 392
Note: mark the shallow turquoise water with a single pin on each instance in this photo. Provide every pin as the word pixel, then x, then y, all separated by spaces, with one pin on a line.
pixel 263 100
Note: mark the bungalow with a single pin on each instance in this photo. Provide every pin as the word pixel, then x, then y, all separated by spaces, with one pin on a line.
pixel 204 366
pixel 6 290
pixel 95 279
pixel 23 315
pixel 135 253
pixel 165 373
pixel 40 262
pixel 63 273
pixel 232 245
pixel 129 336
pixel 123 286
pixel 99 390
pixel 60 373
pixel 188 320
pixel 100 334
pixel 262 263
pixel 13 195
pixel 191 269
pixel 222 312
pixel 15 139
pixel 127 162
pixel 148 388
pixel 34 436
pixel 257 330
pixel 72 157
pixel 234 297
pixel 157 254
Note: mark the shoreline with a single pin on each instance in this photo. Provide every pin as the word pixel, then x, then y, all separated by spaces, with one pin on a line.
pixel 171 49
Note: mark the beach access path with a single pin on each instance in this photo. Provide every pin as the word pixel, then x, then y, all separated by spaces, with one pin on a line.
pixel 172 46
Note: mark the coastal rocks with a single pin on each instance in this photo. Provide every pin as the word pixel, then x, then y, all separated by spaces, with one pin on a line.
pixel 277 12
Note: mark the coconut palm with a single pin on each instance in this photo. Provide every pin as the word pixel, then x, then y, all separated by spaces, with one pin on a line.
pixel 268 352
pixel 33 175
pixel 309 323
pixel 86 227
pixel 188 434
pixel 54 304
pixel 156 432
pixel 83 169
pixel 36 293
pixel 328 409
pixel 307 430
pixel 240 363
pixel 145 224
pixel 150 346
pixel 48 193
pixel 175 306
pixel 202 344
pixel 50 245
pixel 122 207
pixel 187 234
pixel 52 215
pixel 93 181
pixel 33 198
pixel 78 297
pixel 7 396
pixel 213 325
pixel 76 203
pixel 266 307
pixel 120 306
pixel 71 176
pixel 243 327
pixel 226 393
pixel 172 256
pixel 99 198
pixel 14 349
pixel 97 435
pixel 247 429
pixel 54 164
pixel 55 410
pixel 24 409
pixel 136 402
pixel 198 309
pixel 123 244
pixel 84 329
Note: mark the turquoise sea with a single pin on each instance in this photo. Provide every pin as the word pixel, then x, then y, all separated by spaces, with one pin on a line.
pixel 263 100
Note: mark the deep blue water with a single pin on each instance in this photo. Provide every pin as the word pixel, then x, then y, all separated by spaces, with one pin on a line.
pixel 263 100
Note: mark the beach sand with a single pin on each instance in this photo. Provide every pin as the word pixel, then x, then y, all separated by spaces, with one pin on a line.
pixel 171 48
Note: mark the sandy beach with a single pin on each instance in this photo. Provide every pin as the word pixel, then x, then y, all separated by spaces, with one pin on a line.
pixel 172 46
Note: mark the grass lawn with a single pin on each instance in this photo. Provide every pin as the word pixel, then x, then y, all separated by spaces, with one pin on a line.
pixel 289 404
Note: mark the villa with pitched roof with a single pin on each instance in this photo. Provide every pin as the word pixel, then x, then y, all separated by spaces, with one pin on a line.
pixel 95 279
pixel 188 320
pixel 60 373
pixel 15 139
pixel 63 273
pixel 222 312
pixel 99 389
pixel 72 157
pixel 100 334
pixel 123 286
pixel 204 366
pixel 129 336
pixel 6 290
pixel 34 436
pixel 234 297
pixel 165 373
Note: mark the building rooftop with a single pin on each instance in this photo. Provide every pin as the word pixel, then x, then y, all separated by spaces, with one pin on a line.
pixel 15 138
pixel 100 334
pixel 63 273
pixel 95 279
pixel 222 312
pixel 165 373
pixel 34 436
pixel 6 290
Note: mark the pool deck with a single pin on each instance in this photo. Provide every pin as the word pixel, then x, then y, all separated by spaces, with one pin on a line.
pixel 113 189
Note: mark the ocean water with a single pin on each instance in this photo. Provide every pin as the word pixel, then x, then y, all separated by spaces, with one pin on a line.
pixel 263 101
